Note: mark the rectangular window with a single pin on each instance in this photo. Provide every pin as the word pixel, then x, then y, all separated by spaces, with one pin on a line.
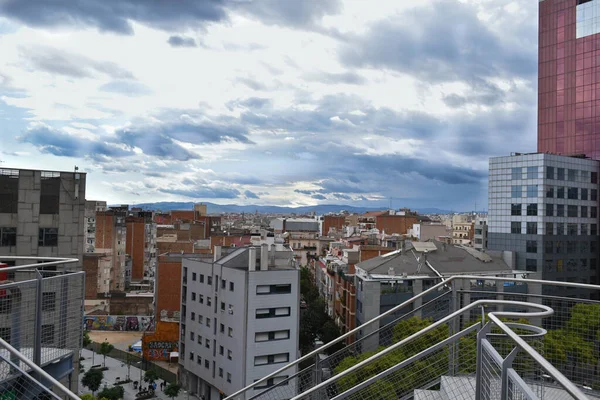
pixel 560 210
pixel 230 332
pixel 531 264
pixel 208 301
pixel 549 210
pixel 572 211
pixel 560 192
pixel 48 334
pixel 48 301
pixel 200 339
pixel 228 377
pixel 277 381
pixel 48 237
pixel 193 316
pixel 593 229
pixel 515 227
pixel 572 229
pixel 594 195
pixel 531 246
pixel 49 193
pixel 571 247
pixel 221 372
pixel 272 359
pixel 222 306
pixel 8 237
pixel 208 322
pixel 221 350
pixel 572 193
pixel 532 172
pixel 532 191
pixel 560 228
pixel 201 278
pixel 549 172
pixel 583 229
pixel 9 191
pixel 209 280
pixel 223 284
pixel 572 175
pixel 532 228
pixel 515 209
pixel 229 355
pixel 594 177
pixel 516 174
pixel 201 298
pixel 5 334
pixel 193 296
pixel 206 364
pixel 584 194
pixel 593 212
pixel 516 192
pixel 560 174
pixel 194 276
pixel 192 336
pixel 549 228
pixel 532 209
pixel 222 328
pixel 274 289
pixel 550 192
pixel 231 286
pixel 217 282
pixel 584 212
pixel 273 312
pixel 549 247
pixel 198 359
pixel 272 335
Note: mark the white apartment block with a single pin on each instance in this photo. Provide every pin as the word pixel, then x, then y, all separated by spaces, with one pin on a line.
pixel 239 320
pixel 480 236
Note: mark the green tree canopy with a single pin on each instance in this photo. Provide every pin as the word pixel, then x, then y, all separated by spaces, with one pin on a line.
pixel 92 379
pixel 112 393
pixel 172 390
pixel 86 339
pixel 105 349
pixel 150 376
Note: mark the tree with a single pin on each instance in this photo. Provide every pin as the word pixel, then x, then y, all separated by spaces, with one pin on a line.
pixel 105 349
pixel 150 376
pixel 113 393
pixel 172 390
pixel 92 379
pixel 86 339
pixel 88 396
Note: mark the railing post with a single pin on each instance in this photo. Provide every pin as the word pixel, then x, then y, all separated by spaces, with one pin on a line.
pixel 37 341
pixel 506 364
pixel 454 327
pixel 478 375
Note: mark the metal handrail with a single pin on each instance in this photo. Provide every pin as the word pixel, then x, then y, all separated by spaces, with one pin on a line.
pixel 402 305
pixel 48 261
pixel 545 311
pixel 38 370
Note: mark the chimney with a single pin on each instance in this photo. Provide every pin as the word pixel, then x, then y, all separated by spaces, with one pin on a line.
pixel 391 271
pixel 252 259
pixel 217 253
pixel 264 257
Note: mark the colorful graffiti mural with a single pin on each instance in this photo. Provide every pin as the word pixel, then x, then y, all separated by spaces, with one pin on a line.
pixel 118 323
pixel 162 342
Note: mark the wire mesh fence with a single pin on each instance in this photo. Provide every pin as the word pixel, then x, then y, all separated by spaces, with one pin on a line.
pixel 17 383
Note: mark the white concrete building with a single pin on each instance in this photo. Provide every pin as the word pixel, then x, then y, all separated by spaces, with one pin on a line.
pixel 480 236
pixel 239 319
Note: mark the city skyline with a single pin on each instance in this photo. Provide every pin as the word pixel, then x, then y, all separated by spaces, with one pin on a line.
pixel 271 103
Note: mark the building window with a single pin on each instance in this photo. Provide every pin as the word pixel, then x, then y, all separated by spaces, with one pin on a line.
pixel 228 377
pixel 530 264
pixel 272 359
pixel 221 350
pixel 49 301
pixel 531 246
pixel 572 193
pixel 560 228
pixel 560 174
pixel 193 316
pixel 9 191
pixel 571 247
pixel 201 278
pixel 532 228
pixel 207 343
pixel 516 191
pixel 198 359
pixel 194 276
pixel 515 227
pixel 572 175
pixel 549 228
pixel 593 229
pixel 277 381
pixel 222 306
pixel 594 177
pixel 193 296
pixel 532 209
pixel 549 247
pixel 549 172
pixel 273 312
pixel 583 229
pixel 201 298
pixel 221 372
pixel 223 284
pixel 206 364
pixel 208 301
pixel 48 334
pixel 594 195
pixel 532 172
pixel 572 229
pixel 200 340
pixel 274 289
pixel 208 322
pixel 222 328
pixel 516 174
pixel 572 211
pixel 549 210
pixel 8 237
pixel 49 193
pixel 584 212
pixel 550 192
pixel 584 194
pixel 48 237
pixel 515 209
pixel 230 332
pixel 593 212
pixel 192 336
pixel 209 280
pixel 532 191
pixel 273 335
pixel 231 286
pixel 229 355
pixel 560 192
pixel 560 210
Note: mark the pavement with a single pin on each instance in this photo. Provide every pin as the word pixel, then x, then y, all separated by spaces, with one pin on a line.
pixel 118 369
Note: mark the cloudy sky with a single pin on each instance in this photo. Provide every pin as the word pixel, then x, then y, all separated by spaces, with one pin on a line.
pixel 270 101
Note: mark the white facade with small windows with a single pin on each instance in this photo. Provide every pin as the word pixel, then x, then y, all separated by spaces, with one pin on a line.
pixel 239 320
pixel 544 207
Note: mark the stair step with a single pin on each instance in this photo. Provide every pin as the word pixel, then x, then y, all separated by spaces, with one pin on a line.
pixel 421 394
pixel 458 387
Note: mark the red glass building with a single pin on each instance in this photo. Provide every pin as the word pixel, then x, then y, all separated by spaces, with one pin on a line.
pixel 569 77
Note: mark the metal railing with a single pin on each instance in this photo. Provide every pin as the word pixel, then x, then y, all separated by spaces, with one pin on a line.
pixel 454 358
pixel 41 328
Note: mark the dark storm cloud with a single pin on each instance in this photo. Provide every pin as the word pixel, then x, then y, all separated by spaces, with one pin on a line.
pixel 204 192
pixel 115 15
pixel 59 143
pixel 182 41
pixel 350 78
pixel 250 195
pixel 444 41
pixel 54 61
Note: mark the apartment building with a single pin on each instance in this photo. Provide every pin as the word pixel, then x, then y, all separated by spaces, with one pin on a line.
pixel 42 213
pixel 480 236
pixel 462 229
pixel 239 319
pixel 91 208
pixel 111 236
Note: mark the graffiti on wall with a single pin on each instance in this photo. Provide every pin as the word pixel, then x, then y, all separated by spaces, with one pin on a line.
pixel 160 350
pixel 118 323
pixel 172 316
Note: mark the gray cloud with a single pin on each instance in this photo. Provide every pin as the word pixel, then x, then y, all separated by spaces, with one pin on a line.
pixel 318 197
pixel 448 43
pixel 204 192
pixel 182 41
pixel 250 195
pixel 252 84
pixel 127 88
pixel 290 13
pixel 350 78
pixel 54 61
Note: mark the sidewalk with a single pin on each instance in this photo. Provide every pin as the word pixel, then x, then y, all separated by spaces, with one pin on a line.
pixel 119 369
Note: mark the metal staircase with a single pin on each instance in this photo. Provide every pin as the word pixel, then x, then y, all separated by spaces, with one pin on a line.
pixel 468 337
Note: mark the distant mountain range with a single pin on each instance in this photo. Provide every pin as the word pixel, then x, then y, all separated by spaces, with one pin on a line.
pixel 213 208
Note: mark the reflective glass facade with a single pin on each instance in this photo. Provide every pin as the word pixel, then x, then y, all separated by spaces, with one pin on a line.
pixel 569 77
